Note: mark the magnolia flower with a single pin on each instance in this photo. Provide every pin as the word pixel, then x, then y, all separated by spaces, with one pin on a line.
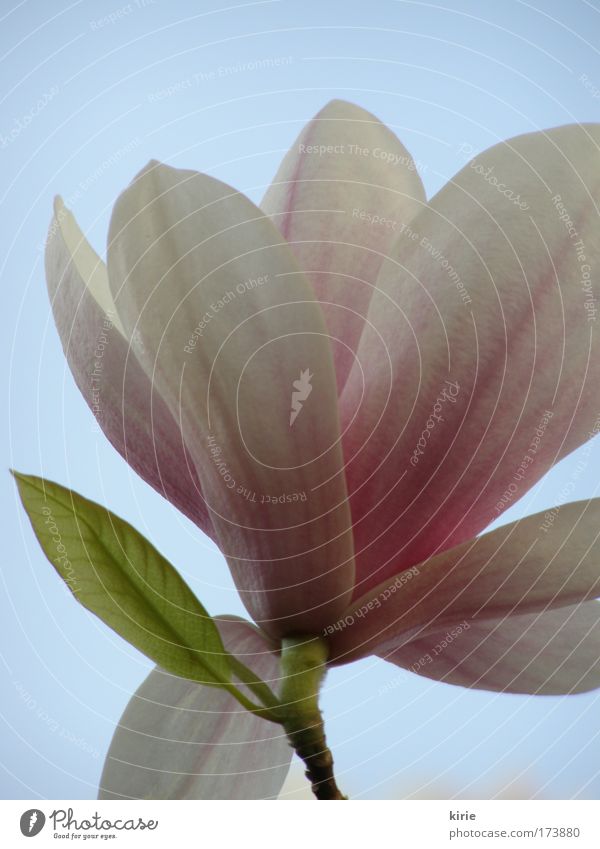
pixel 342 388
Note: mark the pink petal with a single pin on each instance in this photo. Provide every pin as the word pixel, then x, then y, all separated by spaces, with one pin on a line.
pixel 547 653
pixel 495 309
pixel 340 197
pixel 127 407
pixel 229 327
pixel 546 561
pixel 181 740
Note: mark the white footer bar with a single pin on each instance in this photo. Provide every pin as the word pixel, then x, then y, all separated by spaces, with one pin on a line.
pixel 284 825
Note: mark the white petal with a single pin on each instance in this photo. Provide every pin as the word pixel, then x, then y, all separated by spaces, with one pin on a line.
pixel 229 326
pixel 129 410
pixel 341 196
pixel 181 740
pixel 549 653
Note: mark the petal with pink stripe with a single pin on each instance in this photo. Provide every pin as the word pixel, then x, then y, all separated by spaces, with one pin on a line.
pixel 236 343
pixel 127 406
pixel 549 653
pixel 480 366
pixel 526 567
pixel 343 192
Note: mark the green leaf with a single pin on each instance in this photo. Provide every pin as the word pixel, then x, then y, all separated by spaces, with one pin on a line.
pixel 117 574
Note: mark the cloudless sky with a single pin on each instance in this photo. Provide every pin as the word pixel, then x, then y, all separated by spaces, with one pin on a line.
pixel 90 91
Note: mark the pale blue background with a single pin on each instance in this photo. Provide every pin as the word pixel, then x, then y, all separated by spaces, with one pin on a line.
pixel 441 75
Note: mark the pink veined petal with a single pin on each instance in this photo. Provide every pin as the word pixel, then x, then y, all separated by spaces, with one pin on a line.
pixel 342 194
pixel 131 413
pixel 237 346
pixel 533 565
pixel 487 314
pixel 549 653
pixel 182 740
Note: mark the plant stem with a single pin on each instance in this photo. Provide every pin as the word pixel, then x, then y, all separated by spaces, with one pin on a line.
pixel 303 666
pixel 261 690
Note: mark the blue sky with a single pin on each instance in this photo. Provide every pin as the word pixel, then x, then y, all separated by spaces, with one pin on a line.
pixel 91 91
